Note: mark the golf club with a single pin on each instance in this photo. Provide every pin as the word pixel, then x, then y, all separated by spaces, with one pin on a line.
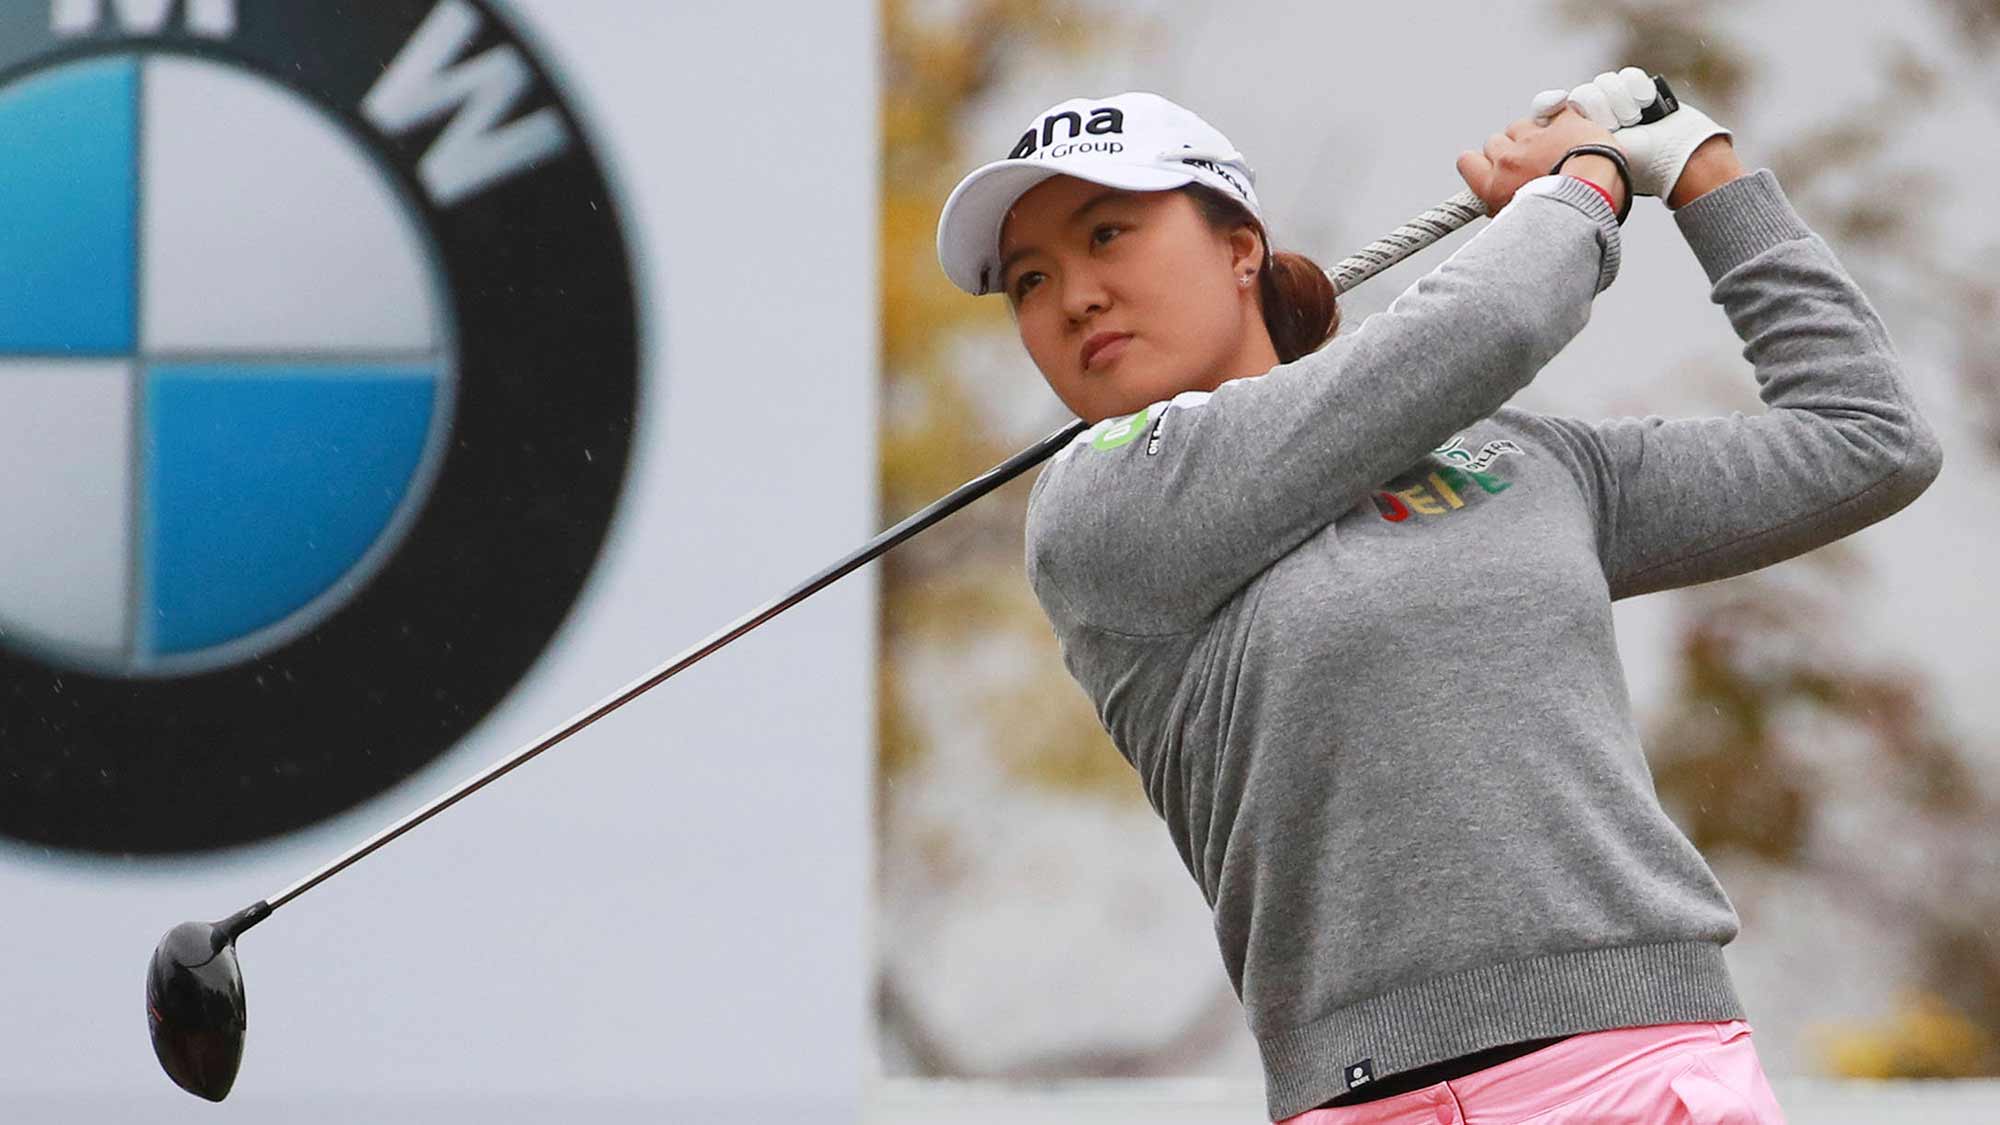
pixel 194 983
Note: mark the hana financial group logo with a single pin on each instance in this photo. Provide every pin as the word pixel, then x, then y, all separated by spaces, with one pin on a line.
pixel 318 362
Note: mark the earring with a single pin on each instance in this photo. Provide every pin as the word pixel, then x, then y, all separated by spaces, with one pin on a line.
pixel 1244 280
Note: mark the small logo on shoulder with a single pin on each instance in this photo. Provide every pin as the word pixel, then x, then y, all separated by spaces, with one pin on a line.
pixel 1361 1073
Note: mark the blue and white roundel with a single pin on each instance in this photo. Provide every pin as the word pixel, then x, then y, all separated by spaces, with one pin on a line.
pixel 225 377
pixel 319 376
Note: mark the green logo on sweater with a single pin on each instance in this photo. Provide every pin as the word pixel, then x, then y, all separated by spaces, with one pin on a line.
pixel 1119 431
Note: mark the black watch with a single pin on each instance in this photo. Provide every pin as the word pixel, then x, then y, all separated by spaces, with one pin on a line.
pixel 1616 157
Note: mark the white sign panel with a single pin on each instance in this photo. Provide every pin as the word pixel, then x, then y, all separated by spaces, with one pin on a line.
pixel 381 385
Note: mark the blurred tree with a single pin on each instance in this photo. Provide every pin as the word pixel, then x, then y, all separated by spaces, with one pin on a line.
pixel 961 581
pixel 1786 749
pixel 1845 173
pixel 1925 1038
pixel 959 592
pixel 1974 31
pixel 1976 23
pixel 1749 755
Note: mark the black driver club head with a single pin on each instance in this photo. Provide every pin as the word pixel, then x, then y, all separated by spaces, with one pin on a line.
pixel 194 1003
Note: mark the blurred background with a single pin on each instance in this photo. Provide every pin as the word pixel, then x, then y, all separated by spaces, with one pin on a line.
pixel 1826 730
pixel 876 862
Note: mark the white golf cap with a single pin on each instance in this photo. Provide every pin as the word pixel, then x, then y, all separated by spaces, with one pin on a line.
pixel 1136 141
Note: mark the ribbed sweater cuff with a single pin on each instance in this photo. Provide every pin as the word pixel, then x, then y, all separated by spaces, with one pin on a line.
pixel 1739 220
pixel 1586 199
pixel 1444 1017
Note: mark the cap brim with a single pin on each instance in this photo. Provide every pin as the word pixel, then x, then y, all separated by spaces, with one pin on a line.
pixel 969 226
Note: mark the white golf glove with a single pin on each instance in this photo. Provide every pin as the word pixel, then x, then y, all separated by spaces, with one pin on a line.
pixel 1657 152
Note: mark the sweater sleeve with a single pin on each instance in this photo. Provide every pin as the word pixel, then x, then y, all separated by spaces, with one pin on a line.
pixel 1689 500
pixel 1149 523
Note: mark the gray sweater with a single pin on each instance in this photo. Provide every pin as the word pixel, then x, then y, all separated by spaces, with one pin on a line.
pixel 1350 621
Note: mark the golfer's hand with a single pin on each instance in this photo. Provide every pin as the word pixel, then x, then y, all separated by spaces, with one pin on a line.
pixel 1526 151
pixel 1660 152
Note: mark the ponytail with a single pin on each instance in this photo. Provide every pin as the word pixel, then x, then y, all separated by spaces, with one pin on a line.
pixel 1300 309
pixel 1299 306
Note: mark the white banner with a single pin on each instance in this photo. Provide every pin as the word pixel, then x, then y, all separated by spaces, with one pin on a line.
pixel 350 458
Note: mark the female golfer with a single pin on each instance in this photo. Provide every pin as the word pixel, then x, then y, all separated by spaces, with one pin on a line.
pixel 1348 613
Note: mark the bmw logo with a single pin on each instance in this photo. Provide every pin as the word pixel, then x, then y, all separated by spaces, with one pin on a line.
pixel 318 364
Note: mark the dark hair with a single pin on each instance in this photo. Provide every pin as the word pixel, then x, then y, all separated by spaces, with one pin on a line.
pixel 1300 308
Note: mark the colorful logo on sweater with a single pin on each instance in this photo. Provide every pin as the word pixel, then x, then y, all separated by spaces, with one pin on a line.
pixel 1443 490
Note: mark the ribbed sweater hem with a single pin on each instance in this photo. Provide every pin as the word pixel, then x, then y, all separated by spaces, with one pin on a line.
pixel 1448 1016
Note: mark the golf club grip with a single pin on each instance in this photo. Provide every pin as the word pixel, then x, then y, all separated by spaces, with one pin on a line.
pixel 1448 216
pixel 1414 235
pixel 1663 104
pixel 1406 240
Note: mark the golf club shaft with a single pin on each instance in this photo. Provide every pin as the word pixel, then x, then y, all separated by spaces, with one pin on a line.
pixel 1407 239
pixel 958 498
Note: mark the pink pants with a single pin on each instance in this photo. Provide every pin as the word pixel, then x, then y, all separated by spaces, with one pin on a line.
pixel 1667 1074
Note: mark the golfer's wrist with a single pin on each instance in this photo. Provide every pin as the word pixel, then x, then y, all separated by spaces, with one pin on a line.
pixel 1600 173
pixel 1713 164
